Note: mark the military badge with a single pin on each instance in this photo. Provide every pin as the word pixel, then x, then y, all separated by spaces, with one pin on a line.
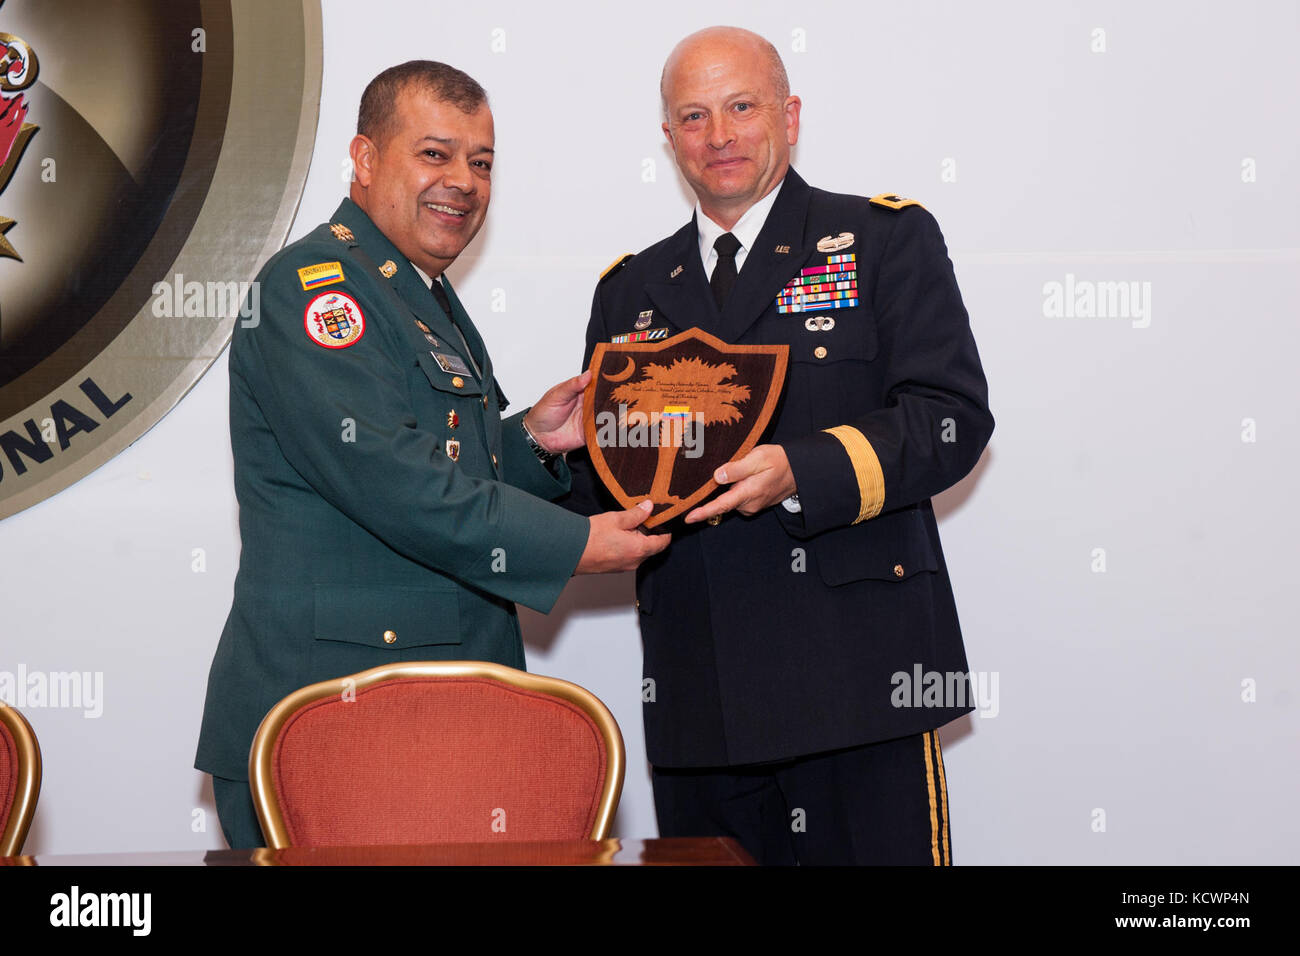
pixel 388 269
pixel 450 363
pixel 341 232
pixel 453 448
pixel 334 320
pixel 835 243
pixel 643 319
pixel 833 285
pixel 649 335
pixel 323 273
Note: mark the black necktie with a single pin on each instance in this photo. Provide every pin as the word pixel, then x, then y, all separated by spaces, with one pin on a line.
pixel 724 273
pixel 440 294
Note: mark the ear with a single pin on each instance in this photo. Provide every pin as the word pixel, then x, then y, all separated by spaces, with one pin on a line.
pixel 668 135
pixel 363 152
pixel 791 110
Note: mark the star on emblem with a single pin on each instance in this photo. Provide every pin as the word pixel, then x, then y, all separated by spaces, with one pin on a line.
pixel 6 247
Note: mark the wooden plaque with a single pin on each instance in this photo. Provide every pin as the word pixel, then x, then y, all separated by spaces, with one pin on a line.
pixel 660 417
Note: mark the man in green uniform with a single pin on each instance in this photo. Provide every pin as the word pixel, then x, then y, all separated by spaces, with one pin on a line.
pixel 386 510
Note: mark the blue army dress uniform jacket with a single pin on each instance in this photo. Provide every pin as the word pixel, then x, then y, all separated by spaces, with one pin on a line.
pixel 780 634
pixel 386 511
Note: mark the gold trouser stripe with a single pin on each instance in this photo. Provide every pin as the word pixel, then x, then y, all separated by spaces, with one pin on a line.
pixel 943 794
pixel 934 808
pixel 866 468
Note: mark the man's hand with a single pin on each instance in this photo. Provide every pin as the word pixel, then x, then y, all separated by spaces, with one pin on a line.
pixel 615 544
pixel 556 420
pixel 759 480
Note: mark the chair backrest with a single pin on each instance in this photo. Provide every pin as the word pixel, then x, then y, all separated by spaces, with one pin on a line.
pixel 436 752
pixel 20 779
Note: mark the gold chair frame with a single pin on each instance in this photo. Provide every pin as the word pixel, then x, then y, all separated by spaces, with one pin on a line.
pixel 28 772
pixel 260 777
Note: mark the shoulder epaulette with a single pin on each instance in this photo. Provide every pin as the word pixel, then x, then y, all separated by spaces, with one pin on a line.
pixel 892 201
pixel 615 266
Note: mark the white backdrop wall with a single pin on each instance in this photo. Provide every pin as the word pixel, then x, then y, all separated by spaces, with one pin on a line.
pixel 1123 554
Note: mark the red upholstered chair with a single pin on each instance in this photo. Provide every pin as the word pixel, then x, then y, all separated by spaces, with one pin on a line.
pixel 436 752
pixel 20 779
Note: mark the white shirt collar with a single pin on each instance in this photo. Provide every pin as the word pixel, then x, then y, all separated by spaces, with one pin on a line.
pixel 428 279
pixel 746 229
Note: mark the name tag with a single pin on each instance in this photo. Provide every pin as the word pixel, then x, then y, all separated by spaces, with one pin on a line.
pixel 450 363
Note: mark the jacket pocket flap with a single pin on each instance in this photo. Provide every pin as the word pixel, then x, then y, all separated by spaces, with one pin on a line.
pixel 392 618
pixel 840 334
pixel 445 381
pixel 891 547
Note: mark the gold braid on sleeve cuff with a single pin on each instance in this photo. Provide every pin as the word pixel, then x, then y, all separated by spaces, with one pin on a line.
pixel 866 467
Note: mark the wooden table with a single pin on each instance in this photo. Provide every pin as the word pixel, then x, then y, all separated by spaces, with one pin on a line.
pixel 677 851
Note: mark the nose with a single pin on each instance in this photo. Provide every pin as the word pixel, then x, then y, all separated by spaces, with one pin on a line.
pixel 457 174
pixel 721 134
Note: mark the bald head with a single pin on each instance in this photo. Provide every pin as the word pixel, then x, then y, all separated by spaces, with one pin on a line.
pixel 707 48
pixel 729 118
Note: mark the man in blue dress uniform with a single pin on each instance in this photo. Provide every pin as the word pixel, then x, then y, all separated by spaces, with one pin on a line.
pixel 776 626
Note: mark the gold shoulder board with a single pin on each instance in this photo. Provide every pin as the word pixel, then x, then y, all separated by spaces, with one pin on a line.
pixel 893 201
pixel 617 264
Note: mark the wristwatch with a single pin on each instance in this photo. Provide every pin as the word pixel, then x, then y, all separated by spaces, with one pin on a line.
pixel 542 454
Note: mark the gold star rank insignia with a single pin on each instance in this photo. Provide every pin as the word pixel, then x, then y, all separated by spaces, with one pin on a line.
pixel 6 247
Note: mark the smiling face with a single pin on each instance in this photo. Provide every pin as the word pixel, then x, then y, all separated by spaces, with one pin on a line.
pixel 426 184
pixel 729 125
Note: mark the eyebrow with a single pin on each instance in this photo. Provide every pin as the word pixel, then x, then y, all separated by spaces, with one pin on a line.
pixel 750 94
pixel 451 141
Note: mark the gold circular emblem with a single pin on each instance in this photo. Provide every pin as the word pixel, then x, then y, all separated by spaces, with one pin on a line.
pixel 127 210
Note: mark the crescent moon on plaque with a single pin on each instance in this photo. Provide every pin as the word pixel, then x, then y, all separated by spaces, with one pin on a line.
pixel 624 375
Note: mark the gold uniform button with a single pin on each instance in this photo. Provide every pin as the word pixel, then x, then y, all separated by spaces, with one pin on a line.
pixel 898 570
pixel 457 382
pixel 820 351
pixel 485 401
pixel 390 637
pixel 494 461
pixel 637 602
pixel 715 520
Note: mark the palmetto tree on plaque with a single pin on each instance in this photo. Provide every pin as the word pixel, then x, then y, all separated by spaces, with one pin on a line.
pixel 670 398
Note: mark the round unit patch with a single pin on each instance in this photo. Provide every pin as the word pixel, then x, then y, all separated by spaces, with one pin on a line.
pixel 334 320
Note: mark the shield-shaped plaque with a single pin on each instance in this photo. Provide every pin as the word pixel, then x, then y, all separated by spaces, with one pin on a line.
pixel 662 416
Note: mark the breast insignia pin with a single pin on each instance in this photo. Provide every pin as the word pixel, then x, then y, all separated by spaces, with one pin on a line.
pixel 835 243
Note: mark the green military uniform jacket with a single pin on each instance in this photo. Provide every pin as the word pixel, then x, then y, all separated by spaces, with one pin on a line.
pixel 386 511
